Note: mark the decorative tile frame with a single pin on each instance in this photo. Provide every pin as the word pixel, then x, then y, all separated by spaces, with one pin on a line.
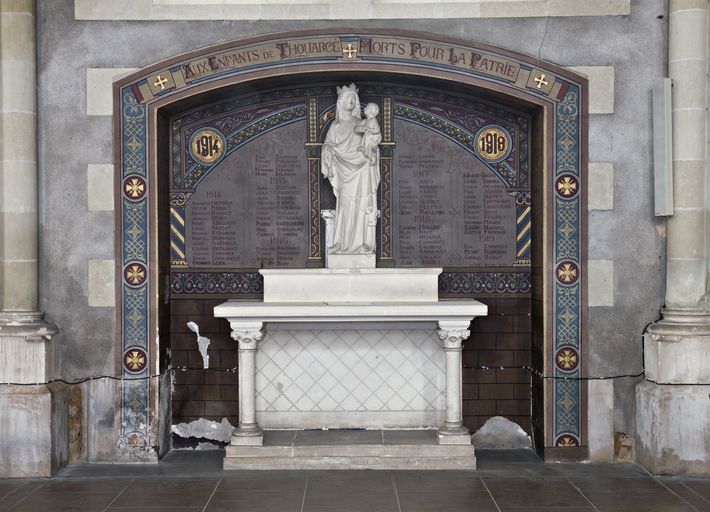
pixel 559 93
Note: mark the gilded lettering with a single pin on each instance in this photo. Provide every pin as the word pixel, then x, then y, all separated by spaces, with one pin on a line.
pixel 187 71
pixel 282 49
pixel 456 57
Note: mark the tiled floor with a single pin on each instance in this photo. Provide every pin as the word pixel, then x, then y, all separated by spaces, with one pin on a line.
pixel 505 481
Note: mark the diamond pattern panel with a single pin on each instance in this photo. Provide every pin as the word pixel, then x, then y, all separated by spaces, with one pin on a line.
pixel 350 370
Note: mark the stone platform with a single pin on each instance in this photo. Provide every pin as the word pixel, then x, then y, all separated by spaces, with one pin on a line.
pixel 350 449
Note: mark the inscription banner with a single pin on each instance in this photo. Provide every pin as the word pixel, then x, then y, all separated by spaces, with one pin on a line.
pixel 372 48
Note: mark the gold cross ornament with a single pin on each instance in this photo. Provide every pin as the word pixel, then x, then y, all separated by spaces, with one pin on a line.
pixel 540 81
pixel 160 82
pixel 350 51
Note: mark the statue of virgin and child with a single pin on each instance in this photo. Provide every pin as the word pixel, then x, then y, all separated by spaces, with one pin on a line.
pixel 350 159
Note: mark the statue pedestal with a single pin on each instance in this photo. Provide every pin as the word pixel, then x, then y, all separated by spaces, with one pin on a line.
pixel 351 261
pixel 360 320
pixel 351 285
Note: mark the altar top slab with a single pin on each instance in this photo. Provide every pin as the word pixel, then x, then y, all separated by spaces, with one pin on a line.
pixel 326 271
pixel 456 311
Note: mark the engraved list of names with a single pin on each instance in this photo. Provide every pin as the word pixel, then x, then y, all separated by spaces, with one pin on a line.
pixel 450 210
pixel 252 210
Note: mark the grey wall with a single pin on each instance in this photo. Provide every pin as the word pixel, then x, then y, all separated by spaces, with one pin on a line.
pixel 69 140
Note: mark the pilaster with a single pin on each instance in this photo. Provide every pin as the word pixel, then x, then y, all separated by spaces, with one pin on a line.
pixel 27 354
pixel 673 435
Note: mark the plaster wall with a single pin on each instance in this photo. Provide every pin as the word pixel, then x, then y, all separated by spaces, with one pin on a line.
pixel 73 232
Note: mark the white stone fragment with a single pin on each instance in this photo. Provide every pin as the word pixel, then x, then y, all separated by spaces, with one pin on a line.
pixel 205 429
pixel 202 344
pixel 499 432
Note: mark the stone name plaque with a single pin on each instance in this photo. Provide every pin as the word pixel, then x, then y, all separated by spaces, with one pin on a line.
pixel 449 208
pixel 251 211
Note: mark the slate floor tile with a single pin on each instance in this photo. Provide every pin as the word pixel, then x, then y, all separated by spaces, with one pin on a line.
pixel 263 481
pixel 16 491
pixel 66 502
pixel 543 492
pixel 156 509
pixel 646 484
pixel 349 499
pixel 352 481
pixel 85 485
pixel 679 487
pixel 340 507
pixel 168 492
pixel 638 502
pixel 262 501
pixel 437 481
pixel 449 501
pixel 699 486
pixel 580 508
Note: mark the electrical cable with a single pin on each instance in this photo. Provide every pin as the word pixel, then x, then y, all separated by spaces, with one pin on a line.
pixel 119 378
pixel 529 369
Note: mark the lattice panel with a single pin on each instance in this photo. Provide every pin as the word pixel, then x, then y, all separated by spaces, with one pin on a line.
pixel 350 370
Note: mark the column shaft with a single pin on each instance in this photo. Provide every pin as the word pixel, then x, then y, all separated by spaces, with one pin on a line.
pixel 247 388
pixel 454 416
pixel 687 66
pixel 18 158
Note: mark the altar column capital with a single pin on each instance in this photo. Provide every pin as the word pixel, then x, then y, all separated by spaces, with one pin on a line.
pixel 452 334
pixel 248 335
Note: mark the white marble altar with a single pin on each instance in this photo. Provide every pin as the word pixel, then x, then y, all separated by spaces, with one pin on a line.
pixel 449 319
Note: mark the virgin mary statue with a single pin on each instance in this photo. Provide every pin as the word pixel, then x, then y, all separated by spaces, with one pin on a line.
pixel 353 169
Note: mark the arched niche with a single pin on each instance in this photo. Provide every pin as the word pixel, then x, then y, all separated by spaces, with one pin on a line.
pixel 550 202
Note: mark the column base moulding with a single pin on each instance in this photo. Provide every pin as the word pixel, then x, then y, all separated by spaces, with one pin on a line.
pixel 34 423
pixel 678 324
pixel 677 348
pixel 672 429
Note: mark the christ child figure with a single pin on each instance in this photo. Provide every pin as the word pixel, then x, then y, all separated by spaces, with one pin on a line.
pixel 370 130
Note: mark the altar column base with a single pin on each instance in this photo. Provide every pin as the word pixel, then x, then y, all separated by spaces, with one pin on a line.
pixel 453 430
pixel 248 335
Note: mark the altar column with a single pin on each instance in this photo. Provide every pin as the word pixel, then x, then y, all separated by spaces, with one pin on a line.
pixel 32 417
pixel 248 335
pixel 452 335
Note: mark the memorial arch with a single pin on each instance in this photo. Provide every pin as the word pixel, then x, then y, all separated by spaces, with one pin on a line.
pixel 460 121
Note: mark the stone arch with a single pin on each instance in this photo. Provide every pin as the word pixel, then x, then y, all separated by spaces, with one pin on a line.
pixel 556 95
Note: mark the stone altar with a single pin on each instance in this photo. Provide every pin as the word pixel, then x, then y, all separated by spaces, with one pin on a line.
pixel 349 293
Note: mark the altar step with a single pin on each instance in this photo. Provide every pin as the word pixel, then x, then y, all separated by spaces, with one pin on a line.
pixel 350 449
